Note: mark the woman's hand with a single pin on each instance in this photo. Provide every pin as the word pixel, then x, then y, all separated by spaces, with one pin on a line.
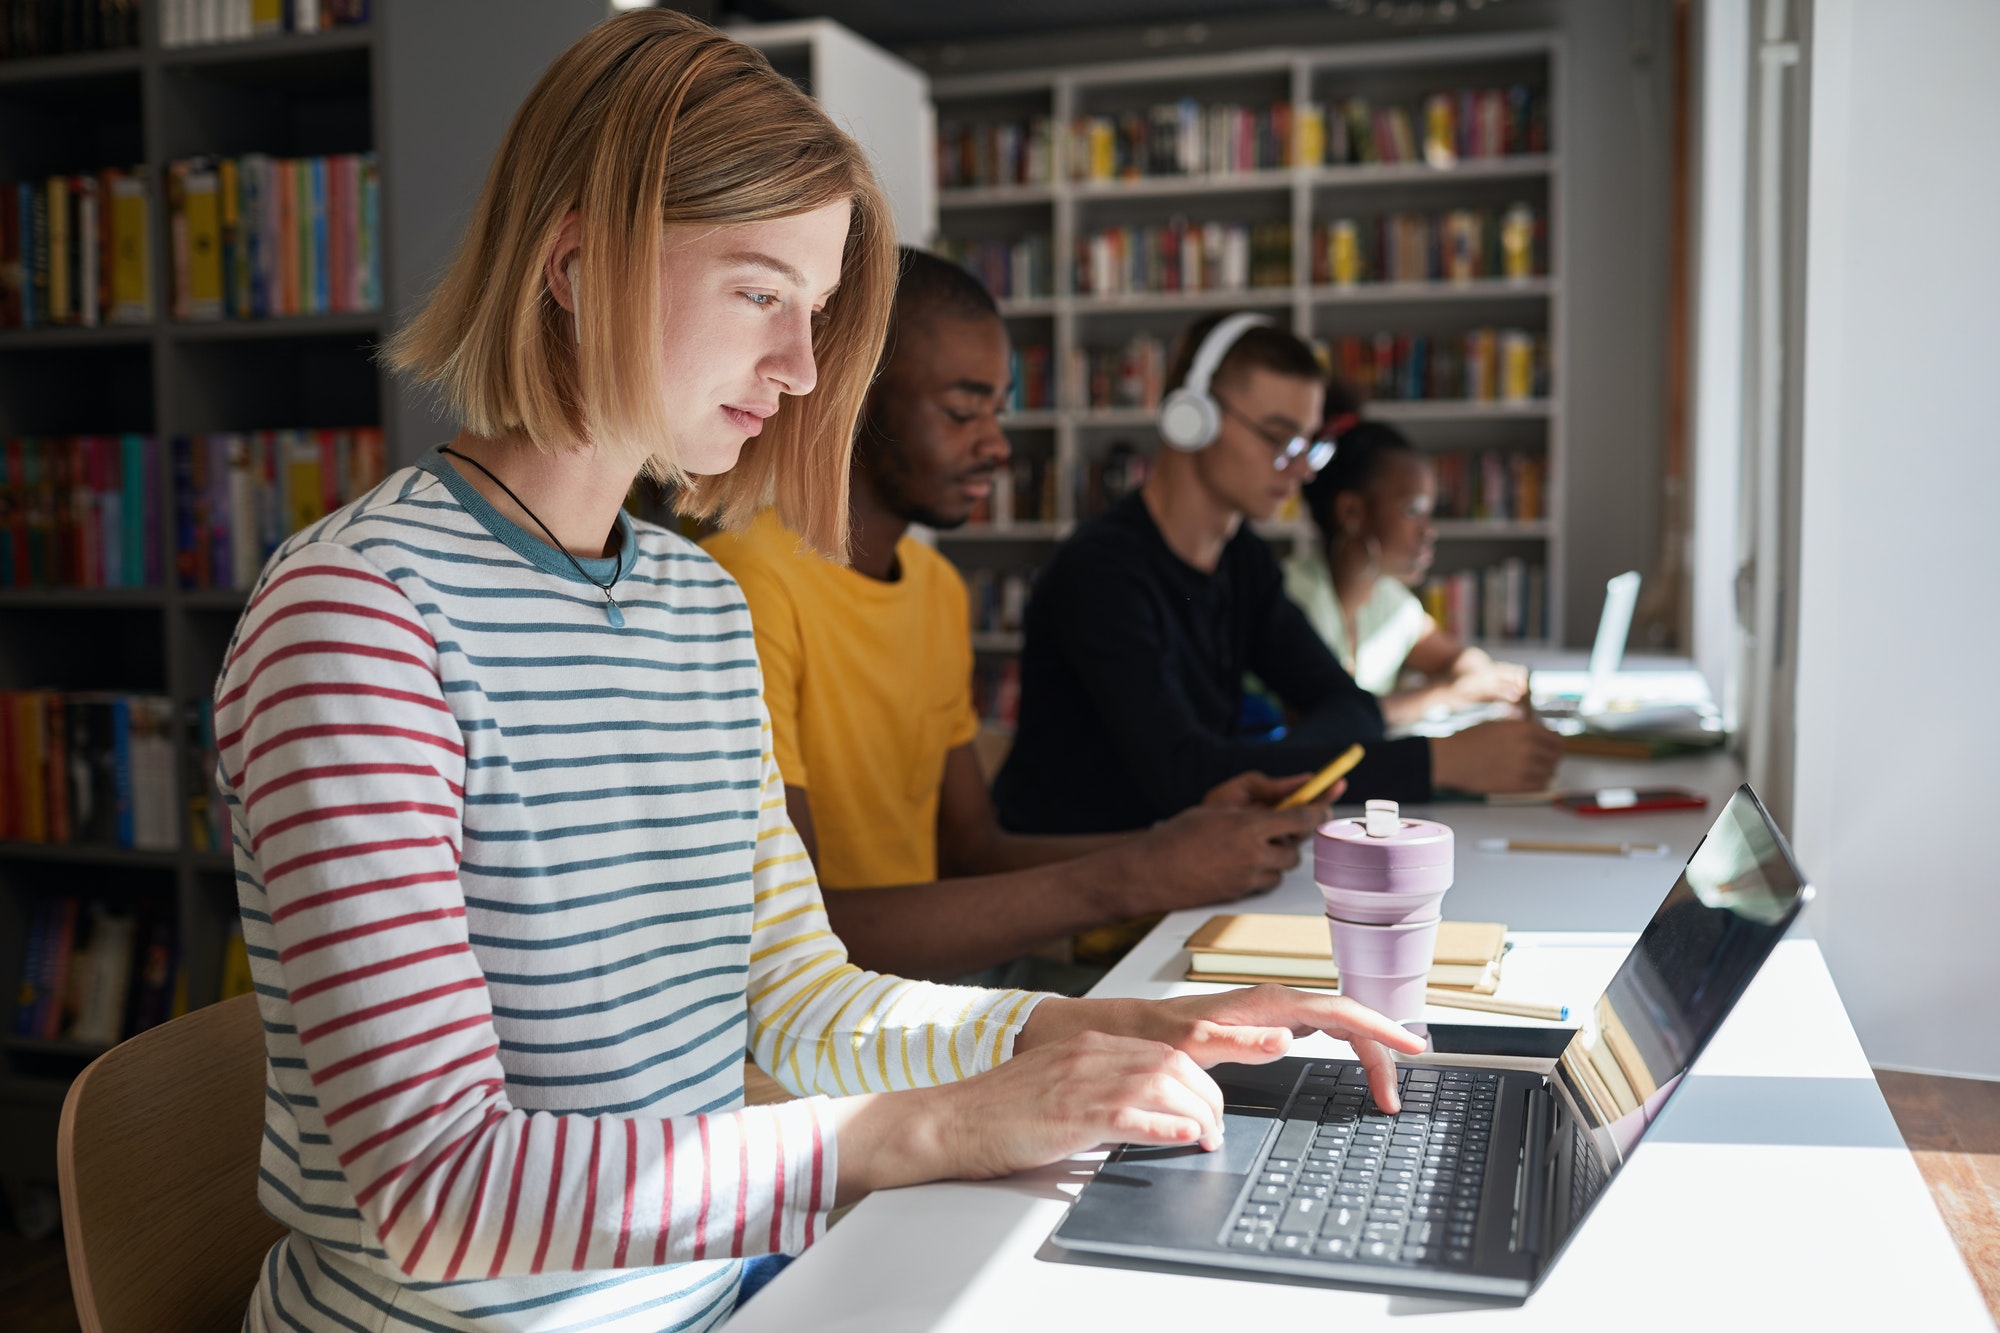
pixel 1252 1025
pixel 1478 679
pixel 1055 1101
pixel 1087 1072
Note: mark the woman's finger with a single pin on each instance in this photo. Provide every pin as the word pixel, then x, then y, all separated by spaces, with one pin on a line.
pixel 1381 1067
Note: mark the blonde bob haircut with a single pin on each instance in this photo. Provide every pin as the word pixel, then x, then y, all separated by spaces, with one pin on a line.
pixel 654 123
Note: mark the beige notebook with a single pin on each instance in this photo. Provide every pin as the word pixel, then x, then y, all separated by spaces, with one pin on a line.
pixel 1248 947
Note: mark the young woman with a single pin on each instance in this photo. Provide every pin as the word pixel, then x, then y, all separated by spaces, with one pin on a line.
pixel 514 865
pixel 1372 506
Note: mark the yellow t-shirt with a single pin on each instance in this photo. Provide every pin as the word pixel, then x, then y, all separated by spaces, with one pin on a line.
pixel 869 685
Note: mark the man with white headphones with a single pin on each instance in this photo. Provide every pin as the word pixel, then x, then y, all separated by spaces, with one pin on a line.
pixel 1142 627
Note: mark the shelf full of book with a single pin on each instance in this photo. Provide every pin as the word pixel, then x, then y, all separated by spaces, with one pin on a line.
pixel 1399 204
pixel 191 280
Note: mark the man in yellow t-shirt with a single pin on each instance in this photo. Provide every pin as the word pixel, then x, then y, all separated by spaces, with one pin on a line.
pixel 868 678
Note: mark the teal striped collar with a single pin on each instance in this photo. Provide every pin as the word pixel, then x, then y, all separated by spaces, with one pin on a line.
pixel 531 546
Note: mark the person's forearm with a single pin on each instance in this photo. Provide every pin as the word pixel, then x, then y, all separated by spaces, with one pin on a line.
pixel 1024 851
pixel 954 926
pixel 1413 705
pixel 889 1139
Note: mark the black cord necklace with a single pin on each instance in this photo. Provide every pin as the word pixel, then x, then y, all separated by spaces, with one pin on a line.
pixel 611 608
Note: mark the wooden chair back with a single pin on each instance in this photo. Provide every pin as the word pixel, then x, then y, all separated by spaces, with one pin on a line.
pixel 157 1156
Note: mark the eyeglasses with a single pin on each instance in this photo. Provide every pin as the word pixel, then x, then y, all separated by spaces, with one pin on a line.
pixel 1317 453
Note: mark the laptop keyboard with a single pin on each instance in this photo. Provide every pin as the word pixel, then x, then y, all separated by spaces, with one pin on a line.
pixel 1342 1181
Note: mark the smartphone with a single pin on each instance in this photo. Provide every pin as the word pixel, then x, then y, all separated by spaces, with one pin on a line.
pixel 1326 777
pixel 1631 800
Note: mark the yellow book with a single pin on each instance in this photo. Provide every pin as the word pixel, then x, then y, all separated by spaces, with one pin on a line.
pixel 1309 129
pixel 1249 947
pixel 1103 149
pixel 235 274
pixel 31 782
pixel 201 207
pixel 299 456
pixel 132 269
pixel 267 17
pixel 60 310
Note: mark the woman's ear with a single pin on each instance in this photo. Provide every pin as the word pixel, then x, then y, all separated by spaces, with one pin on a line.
pixel 559 265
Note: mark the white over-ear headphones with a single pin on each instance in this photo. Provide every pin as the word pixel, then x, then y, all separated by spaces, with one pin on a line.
pixel 1190 418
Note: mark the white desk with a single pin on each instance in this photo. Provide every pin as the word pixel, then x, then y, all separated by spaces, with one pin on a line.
pixel 1774 1191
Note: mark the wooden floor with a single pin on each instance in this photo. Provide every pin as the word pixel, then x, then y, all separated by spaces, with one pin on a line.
pixel 1953 1128
pixel 1951 1124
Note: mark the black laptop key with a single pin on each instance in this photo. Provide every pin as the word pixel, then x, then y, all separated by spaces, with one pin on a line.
pixel 1354 1074
pixel 1293 1140
pixel 1303 1215
pixel 1249 1240
pixel 1269 1194
pixel 1290 1243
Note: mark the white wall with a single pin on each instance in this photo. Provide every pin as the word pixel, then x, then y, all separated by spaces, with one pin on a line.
pixel 1722 81
pixel 1898 799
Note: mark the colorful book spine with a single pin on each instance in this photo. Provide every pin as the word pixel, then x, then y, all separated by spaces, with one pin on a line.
pixel 238 494
pixel 258 236
pixel 79 512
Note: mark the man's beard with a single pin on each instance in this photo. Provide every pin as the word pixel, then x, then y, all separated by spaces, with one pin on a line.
pixel 880 458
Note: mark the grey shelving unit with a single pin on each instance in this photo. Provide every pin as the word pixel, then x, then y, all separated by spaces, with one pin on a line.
pixel 429 85
pixel 1073 435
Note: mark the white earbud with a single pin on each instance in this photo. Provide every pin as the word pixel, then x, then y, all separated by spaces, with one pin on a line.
pixel 575 302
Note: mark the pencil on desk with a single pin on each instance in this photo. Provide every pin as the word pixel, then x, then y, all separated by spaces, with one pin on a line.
pixel 1577 848
pixel 1458 999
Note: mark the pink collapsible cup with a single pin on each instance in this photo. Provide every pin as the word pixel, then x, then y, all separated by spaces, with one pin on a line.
pixel 1384 879
pixel 1380 909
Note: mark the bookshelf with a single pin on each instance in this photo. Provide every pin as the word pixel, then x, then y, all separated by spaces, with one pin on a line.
pixel 381 87
pixel 1053 308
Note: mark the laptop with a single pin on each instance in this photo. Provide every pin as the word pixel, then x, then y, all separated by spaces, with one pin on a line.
pixel 1475 1187
pixel 1571 693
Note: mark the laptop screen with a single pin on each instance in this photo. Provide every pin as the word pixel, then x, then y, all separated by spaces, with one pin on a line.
pixel 1733 902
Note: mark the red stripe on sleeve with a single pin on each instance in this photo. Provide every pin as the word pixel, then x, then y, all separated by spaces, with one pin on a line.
pixel 549 1201
pixel 334 937
pixel 666 1195
pixel 513 1198
pixel 320 731
pixel 742 1188
pixel 701 1217
pixel 389 1007
pixel 588 1224
pixel 464 1147
pixel 812 1199
pixel 317 648
pixel 322 571
pixel 484 1087
pixel 403 1085
pixel 778 1195
pixel 326 812
pixel 631 1170
pixel 376 969
pixel 327 606
pixel 311 901
pixel 471 1226
pixel 320 689
pixel 375 1053
pixel 319 771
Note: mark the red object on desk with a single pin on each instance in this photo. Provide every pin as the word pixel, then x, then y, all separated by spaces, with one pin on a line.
pixel 1631 800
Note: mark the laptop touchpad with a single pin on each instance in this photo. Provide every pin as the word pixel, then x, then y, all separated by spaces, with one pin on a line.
pixel 1242 1140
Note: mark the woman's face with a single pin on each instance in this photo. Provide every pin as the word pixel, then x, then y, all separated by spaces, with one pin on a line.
pixel 741 301
pixel 1399 516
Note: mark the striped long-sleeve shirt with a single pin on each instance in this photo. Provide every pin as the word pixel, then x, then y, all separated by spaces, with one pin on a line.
pixel 519 891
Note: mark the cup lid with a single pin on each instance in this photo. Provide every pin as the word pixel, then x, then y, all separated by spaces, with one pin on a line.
pixel 1415 844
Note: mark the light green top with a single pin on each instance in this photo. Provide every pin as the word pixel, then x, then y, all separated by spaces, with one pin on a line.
pixel 1391 622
